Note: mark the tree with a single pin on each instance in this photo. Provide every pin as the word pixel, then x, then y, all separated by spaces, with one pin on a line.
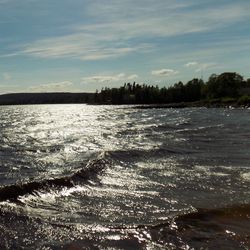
pixel 224 85
pixel 193 90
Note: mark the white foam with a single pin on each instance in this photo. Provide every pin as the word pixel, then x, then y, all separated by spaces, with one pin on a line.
pixel 246 176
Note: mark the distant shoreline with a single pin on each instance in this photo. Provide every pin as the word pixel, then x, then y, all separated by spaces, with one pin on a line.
pixel 227 90
pixel 46 98
pixel 88 98
pixel 199 104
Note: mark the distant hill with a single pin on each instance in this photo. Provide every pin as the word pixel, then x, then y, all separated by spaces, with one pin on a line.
pixel 45 98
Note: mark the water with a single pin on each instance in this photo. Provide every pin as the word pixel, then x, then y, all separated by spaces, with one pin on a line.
pixel 118 177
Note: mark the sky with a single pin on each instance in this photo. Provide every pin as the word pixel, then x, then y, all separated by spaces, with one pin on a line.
pixel 84 45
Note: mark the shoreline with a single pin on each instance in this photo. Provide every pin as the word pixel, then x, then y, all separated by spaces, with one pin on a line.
pixel 89 99
pixel 194 105
pixel 147 106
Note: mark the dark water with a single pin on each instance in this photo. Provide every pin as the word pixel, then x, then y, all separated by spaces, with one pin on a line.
pixel 105 177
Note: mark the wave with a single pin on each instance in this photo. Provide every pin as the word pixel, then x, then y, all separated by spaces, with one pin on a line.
pixel 222 216
pixel 203 229
pixel 154 152
pixel 209 228
pixel 93 168
pixel 224 228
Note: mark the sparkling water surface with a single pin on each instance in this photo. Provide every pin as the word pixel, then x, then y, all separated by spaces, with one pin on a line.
pixel 158 164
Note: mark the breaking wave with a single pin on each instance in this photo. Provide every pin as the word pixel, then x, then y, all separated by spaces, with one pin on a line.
pixel 93 168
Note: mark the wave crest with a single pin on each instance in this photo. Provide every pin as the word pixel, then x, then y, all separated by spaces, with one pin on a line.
pixel 93 168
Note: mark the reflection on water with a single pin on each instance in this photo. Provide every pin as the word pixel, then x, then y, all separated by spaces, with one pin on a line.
pixel 121 177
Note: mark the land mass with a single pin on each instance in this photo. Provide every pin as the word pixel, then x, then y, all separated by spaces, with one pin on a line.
pixel 224 90
pixel 45 98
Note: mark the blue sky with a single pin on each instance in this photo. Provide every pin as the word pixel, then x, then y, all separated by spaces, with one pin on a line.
pixel 84 45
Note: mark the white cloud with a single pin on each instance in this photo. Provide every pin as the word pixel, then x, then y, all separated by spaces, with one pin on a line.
pixel 123 22
pixel 164 72
pixel 164 17
pixel 107 53
pixel 63 86
pixel 103 78
pixel 132 77
pixel 191 64
pixel 86 47
pixel 107 78
pixel 199 67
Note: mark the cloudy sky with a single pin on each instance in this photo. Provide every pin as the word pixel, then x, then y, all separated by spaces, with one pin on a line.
pixel 84 45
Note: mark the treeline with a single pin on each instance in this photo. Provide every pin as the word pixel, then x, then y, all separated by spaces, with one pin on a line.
pixel 226 88
pixel 228 85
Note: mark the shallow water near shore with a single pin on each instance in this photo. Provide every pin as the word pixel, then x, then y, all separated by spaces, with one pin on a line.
pixel 118 177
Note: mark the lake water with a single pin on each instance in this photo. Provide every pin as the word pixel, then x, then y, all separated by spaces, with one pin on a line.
pixel 119 177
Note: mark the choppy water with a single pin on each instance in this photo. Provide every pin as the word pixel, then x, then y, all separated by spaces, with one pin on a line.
pixel 117 177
